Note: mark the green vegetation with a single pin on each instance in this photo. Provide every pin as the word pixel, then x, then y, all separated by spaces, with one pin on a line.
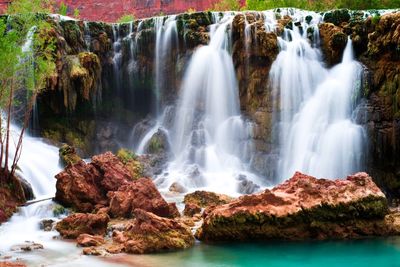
pixel 125 155
pixel 322 4
pixel 126 18
pixel 63 9
pixel 27 46
pixel 76 13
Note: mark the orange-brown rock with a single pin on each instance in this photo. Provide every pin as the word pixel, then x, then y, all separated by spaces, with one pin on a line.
pixel 83 223
pixel 304 207
pixel 86 240
pixel 85 185
pixel 334 41
pixel 150 233
pixel 12 264
pixel 191 209
pixel 142 194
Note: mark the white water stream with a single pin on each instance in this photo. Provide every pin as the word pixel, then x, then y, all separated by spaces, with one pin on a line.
pixel 317 134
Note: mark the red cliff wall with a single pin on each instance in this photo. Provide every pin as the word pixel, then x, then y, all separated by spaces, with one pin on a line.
pixel 109 10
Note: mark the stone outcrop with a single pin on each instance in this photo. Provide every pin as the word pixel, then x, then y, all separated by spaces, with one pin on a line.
pixel 101 10
pixel 83 223
pixel 150 233
pixel 13 193
pixel 86 240
pixel 107 183
pixel 191 209
pixel 379 111
pixel 205 199
pixel 83 186
pixel 304 208
pixel 334 41
pixel 141 194
pixel 68 155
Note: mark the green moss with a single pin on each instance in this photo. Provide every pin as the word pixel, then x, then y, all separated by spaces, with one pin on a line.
pixel 337 16
pixel 129 159
pixel 59 210
pixel 126 155
pixel 68 155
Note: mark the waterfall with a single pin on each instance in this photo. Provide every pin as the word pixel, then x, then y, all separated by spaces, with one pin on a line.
pixel 209 137
pixel 117 59
pixel 317 133
pixel 87 35
pixel 166 36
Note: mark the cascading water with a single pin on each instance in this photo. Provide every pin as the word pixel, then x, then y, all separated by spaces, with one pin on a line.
pixel 117 59
pixel 166 36
pixel 209 138
pixel 317 135
pixel 87 36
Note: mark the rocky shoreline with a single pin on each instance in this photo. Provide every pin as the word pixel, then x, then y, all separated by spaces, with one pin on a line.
pixel 131 216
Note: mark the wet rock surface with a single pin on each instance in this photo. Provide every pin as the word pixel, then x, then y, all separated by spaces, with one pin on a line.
pixel 150 233
pixel 205 199
pixel 86 240
pixel 304 208
pixel 27 246
pixel 140 194
pixel 83 223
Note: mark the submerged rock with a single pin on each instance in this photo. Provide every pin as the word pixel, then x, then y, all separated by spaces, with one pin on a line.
pixel 150 233
pixel 86 240
pixel 304 207
pixel 82 223
pixel 177 188
pixel 205 199
pixel 246 186
pixel 12 264
pixel 47 225
pixel 27 246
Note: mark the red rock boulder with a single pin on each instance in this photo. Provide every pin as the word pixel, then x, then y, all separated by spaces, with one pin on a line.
pixel 150 233
pixel 83 186
pixel 142 194
pixel 83 223
pixel 86 240
pixel 301 208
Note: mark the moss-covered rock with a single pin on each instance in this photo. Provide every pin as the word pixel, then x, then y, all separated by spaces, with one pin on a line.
pixel 205 199
pixel 149 233
pixel 337 17
pixel 303 208
pixel 130 160
pixel 68 155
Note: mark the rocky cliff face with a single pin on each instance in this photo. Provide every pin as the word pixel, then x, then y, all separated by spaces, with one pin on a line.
pixel 98 96
pixel 111 11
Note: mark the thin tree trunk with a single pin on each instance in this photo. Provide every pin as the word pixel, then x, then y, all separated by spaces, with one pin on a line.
pixel 25 125
pixel 9 105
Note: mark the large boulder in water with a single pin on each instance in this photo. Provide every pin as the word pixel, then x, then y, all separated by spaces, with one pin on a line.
pixel 83 186
pixel 82 223
pixel 150 233
pixel 304 207
pixel 141 194
pixel 108 181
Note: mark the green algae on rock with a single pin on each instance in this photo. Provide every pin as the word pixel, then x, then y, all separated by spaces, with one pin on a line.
pixel 304 208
